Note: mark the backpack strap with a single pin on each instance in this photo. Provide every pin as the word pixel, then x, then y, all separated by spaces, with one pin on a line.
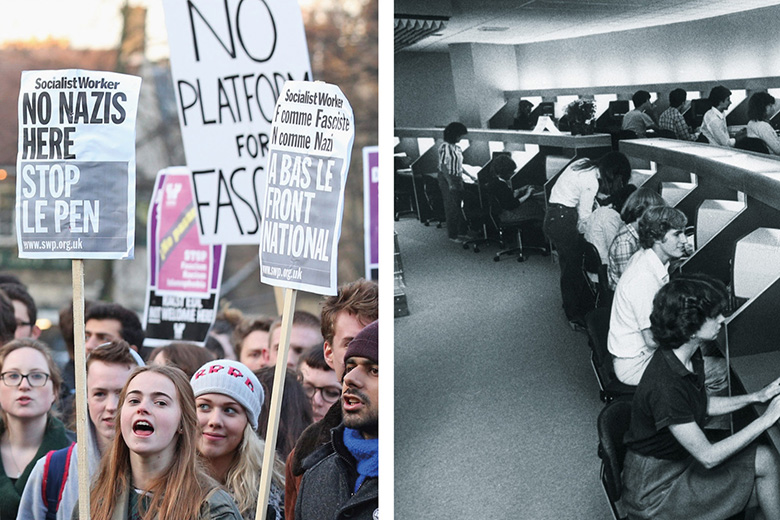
pixel 55 474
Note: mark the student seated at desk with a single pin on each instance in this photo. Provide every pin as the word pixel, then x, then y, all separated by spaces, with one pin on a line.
pixel 626 242
pixel 671 469
pixel 637 120
pixel 671 119
pixel 604 223
pixel 761 106
pixel 713 126
pixel 515 205
pixel 450 178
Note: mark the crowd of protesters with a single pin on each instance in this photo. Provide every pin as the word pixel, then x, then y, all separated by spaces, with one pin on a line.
pixel 178 431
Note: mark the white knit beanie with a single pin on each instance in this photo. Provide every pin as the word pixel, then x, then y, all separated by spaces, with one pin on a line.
pixel 234 380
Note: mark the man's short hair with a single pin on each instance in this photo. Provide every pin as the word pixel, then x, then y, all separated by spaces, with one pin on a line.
pixel 7 319
pixel 656 222
pixel 360 298
pixel 116 352
pixel 300 319
pixel 66 324
pixel 677 97
pixel 718 95
pixel 18 292
pixel 131 329
pixel 640 97
pixel 314 358
pixel 246 327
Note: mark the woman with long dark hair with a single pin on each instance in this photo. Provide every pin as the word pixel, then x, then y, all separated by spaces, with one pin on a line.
pixel 672 470
pixel 761 106
pixel 572 201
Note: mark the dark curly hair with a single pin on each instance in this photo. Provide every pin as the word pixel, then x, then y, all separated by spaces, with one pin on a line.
pixel 681 307
pixel 656 222
pixel 454 131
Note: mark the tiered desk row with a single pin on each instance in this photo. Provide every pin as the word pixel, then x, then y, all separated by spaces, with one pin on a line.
pixel 732 198
pixel 538 155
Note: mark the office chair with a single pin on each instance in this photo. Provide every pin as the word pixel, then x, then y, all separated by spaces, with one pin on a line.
pixel 476 211
pixel 595 273
pixel 612 424
pixel 752 144
pixel 662 132
pixel 434 201
pixel 506 230
pixel 597 326
pixel 404 203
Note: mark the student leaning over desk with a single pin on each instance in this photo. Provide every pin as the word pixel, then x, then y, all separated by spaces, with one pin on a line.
pixel 571 203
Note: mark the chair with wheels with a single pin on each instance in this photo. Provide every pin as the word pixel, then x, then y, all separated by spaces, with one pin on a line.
pixel 476 211
pixel 595 273
pixel 597 326
pixel 612 424
pixel 404 203
pixel 515 228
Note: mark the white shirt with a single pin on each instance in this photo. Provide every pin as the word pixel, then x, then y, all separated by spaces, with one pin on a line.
pixel 714 128
pixel 633 303
pixel 764 131
pixel 577 189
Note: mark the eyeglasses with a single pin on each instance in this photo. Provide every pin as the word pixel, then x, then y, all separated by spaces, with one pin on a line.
pixel 33 378
pixel 329 394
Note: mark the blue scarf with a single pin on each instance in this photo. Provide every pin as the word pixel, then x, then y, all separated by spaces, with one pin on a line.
pixel 366 453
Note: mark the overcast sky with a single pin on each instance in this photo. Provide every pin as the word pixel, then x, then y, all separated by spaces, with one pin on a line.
pixel 86 23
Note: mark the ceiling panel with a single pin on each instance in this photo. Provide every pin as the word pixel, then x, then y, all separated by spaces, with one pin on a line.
pixel 514 22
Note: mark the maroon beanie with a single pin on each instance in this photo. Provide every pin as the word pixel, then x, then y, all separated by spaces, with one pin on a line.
pixel 365 344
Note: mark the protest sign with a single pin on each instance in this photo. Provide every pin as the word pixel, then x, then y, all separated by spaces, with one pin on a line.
pixel 184 275
pixel 229 61
pixel 75 181
pixel 371 211
pixel 308 159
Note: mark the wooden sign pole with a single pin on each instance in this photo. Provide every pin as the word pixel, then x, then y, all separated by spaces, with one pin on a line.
pixel 81 387
pixel 276 403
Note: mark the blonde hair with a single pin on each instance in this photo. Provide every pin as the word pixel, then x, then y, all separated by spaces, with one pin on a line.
pixel 180 490
pixel 243 476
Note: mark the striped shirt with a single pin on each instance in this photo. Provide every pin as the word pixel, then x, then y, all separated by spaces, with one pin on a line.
pixel 450 159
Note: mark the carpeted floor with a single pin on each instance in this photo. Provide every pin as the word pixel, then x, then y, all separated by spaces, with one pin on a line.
pixel 495 399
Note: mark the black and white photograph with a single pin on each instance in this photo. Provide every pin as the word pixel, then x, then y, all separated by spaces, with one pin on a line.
pixel 586 255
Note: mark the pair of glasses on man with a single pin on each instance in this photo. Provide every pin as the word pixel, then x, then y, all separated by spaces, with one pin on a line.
pixel 329 393
pixel 33 378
